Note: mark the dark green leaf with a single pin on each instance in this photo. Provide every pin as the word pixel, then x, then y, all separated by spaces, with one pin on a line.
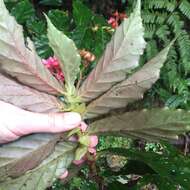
pixel 159 181
pixel 117 186
pixel 23 11
pixel 51 2
pixel 175 169
pixel 60 19
pixel 82 15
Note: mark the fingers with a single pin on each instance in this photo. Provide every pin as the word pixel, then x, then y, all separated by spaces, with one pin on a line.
pixel 63 122
pixel 49 123
pixel 64 175
pixel 6 135
pixel 24 122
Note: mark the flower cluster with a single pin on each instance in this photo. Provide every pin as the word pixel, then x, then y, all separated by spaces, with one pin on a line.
pixel 52 63
pixel 90 154
pixel 89 141
pixel 116 18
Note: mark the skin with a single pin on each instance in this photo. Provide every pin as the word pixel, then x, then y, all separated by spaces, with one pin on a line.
pixel 16 122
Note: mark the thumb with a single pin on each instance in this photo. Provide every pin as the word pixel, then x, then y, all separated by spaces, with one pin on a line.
pixel 61 122
pixel 49 123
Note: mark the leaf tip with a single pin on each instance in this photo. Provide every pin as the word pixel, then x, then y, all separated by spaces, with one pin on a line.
pixel 138 6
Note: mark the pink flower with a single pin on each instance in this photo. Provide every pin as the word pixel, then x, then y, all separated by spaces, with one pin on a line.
pixel 116 19
pixel 59 75
pixel 91 150
pixel 52 63
pixel 93 141
pixel 111 20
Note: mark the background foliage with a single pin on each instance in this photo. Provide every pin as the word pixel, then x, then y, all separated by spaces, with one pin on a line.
pixel 163 20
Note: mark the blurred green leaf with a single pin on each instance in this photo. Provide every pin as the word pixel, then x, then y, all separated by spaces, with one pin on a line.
pixel 159 181
pixel 60 19
pixel 89 32
pixel 51 2
pixel 23 11
pixel 82 15
pixel 117 186
pixel 36 27
pixel 173 168
pixel 42 46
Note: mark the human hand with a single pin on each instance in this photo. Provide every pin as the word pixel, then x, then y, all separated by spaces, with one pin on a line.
pixel 16 122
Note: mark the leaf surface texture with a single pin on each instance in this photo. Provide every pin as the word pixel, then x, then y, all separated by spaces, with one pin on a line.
pixel 44 175
pixel 131 89
pixel 24 154
pixel 66 51
pixel 120 57
pixel 152 124
pixel 26 97
pixel 19 59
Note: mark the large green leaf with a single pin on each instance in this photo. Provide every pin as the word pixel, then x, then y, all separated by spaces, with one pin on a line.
pixel 60 19
pixel 25 154
pixel 121 56
pixel 131 89
pixel 82 15
pixel 159 181
pixel 171 168
pixel 152 124
pixel 43 176
pixel 27 98
pixel 23 11
pixel 66 51
pixel 19 59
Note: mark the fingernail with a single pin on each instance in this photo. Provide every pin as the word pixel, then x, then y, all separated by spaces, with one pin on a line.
pixel 83 126
pixel 72 118
pixel 64 175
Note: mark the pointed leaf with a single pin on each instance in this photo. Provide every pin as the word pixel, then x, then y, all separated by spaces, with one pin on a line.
pixel 21 61
pixel 152 124
pixel 44 175
pixel 25 154
pixel 26 98
pixel 84 140
pixel 66 51
pixel 131 89
pixel 80 152
pixel 121 56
